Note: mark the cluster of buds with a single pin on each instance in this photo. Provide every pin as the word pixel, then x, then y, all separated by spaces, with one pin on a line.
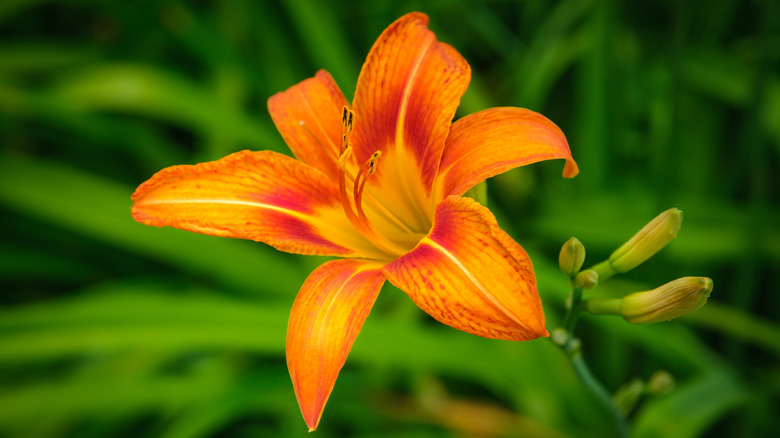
pixel 627 397
pixel 672 300
pixel 571 259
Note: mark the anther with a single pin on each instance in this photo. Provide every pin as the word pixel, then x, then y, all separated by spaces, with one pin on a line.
pixel 360 183
pixel 347 116
pixel 373 161
pixel 345 154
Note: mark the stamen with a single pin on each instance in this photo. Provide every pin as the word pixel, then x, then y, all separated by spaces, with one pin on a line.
pixel 345 203
pixel 372 162
pixel 344 156
pixel 360 183
pixel 347 117
pixel 353 208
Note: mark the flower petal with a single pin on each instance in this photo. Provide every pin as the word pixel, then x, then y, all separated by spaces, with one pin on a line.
pixel 469 274
pixel 262 196
pixel 493 141
pixel 326 317
pixel 407 94
pixel 308 115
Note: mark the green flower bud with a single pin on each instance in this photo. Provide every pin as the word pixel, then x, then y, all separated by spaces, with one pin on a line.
pixel 559 336
pixel 627 397
pixel 660 383
pixel 572 256
pixel 648 241
pixel 674 299
pixel 587 279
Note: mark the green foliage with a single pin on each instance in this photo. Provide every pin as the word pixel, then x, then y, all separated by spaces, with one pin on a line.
pixel 111 328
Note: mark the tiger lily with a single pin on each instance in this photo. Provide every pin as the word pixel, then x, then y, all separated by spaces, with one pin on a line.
pixel 380 185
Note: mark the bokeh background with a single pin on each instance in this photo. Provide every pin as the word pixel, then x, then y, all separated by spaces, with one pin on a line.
pixel 113 329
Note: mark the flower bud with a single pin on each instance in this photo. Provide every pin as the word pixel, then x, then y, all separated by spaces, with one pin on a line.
pixel 648 241
pixel 660 383
pixel 587 279
pixel 674 299
pixel 559 336
pixel 572 256
pixel 627 397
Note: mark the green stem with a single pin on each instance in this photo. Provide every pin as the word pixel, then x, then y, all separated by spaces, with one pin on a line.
pixel 604 269
pixel 590 381
pixel 573 310
pixel 571 346
pixel 604 306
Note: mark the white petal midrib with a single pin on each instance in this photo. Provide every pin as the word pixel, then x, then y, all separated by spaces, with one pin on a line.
pixel 480 287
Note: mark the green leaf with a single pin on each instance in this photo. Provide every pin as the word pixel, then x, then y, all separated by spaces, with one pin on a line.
pixel 147 91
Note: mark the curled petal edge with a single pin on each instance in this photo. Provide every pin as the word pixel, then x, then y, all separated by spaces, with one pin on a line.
pixel 492 141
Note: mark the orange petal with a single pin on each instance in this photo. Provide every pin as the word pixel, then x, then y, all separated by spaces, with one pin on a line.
pixel 326 317
pixel 262 196
pixel 469 274
pixel 493 141
pixel 407 94
pixel 308 115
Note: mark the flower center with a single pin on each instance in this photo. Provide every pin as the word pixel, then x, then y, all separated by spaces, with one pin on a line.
pixel 353 205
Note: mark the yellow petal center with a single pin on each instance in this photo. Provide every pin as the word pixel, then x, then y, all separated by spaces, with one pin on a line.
pixel 391 215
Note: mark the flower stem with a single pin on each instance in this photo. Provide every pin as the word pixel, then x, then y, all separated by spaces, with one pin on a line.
pixel 572 347
pixel 590 381
pixel 604 270
pixel 573 310
pixel 604 306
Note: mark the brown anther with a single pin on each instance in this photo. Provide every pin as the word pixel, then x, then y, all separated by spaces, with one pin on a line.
pixel 347 116
pixel 373 161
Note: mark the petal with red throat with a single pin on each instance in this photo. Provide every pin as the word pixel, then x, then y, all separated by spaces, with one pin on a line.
pixel 407 94
pixel 469 274
pixel 308 115
pixel 493 141
pixel 327 316
pixel 262 196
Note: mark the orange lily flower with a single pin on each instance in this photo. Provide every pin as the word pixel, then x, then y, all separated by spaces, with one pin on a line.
pixel 380 185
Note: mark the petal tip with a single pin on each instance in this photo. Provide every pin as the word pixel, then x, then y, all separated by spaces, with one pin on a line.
pixel 418 16
pixel 325 320
pixel 312 412
pixel 570 169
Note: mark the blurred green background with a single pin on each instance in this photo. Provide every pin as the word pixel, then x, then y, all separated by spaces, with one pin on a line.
pixel 113 329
